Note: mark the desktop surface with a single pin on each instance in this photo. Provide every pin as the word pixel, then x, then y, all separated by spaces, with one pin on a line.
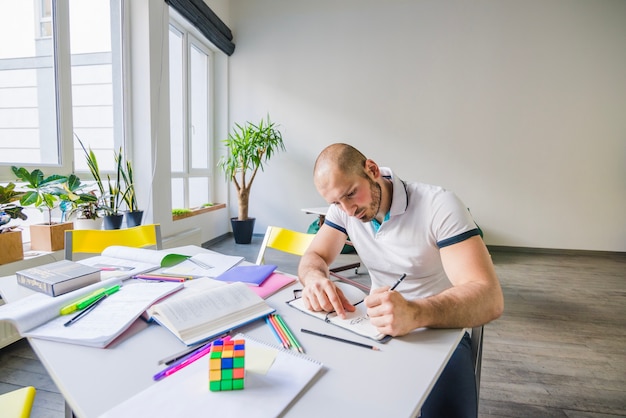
pixel 353 379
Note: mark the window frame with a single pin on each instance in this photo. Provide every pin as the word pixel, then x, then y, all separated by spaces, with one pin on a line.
pixel 193 38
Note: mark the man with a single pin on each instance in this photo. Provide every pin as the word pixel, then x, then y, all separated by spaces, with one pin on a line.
pixel 399 228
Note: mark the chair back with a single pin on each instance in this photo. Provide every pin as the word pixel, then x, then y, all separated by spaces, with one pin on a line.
pixel 18 403
pixel 477 355
pixel 95 241
pixel 284 240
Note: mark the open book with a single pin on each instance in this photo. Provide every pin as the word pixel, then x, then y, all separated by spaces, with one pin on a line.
pixel 357 321
pixel 39 316
pixel 205 310
pixel 190 261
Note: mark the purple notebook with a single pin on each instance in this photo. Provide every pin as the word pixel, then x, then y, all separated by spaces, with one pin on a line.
pixel 253 275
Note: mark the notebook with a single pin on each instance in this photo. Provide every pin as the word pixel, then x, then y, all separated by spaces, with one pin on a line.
pixel 357 321
pixel 268 390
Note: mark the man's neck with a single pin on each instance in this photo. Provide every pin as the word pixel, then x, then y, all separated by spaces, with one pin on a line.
pixel 386 187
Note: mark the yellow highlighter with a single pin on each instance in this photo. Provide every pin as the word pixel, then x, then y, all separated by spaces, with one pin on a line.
pixel 86 301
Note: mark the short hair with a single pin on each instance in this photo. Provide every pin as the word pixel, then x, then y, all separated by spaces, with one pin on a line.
pixel 346 158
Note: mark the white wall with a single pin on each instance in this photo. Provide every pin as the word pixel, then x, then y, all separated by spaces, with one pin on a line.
pixel 518 106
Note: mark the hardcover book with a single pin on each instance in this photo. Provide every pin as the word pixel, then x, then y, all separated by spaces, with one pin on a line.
pixel 58 278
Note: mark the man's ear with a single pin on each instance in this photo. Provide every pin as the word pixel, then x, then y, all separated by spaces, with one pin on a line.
pixel 371 168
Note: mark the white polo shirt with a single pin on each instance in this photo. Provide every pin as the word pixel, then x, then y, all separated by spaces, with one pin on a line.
pixel 422 219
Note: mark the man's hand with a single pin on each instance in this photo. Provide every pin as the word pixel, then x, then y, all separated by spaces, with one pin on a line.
pixel 320 294
pixel 391 313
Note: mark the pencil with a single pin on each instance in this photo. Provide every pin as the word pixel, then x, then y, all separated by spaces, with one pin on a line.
pixel 332 337
pixel 292 337
pixel 280 331
pixel 276 334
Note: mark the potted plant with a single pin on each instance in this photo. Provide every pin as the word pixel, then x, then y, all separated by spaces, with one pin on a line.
pixel 249 146
pixel 10 237
pixel 109 196
pixel 133 214
pixel 84 205
pixel 43 193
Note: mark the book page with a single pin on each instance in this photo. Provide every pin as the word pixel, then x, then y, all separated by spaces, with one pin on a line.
pixel 208 264
pixel 188 312
pixel 34 310
pixel 117 267
pixel 136 254
pixel 114 315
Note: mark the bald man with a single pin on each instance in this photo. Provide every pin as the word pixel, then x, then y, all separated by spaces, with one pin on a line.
pixel 410 228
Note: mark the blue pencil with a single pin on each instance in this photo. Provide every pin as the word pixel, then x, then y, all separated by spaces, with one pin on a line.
pixel 269 323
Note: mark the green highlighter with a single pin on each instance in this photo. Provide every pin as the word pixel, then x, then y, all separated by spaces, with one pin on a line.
pixel 88 300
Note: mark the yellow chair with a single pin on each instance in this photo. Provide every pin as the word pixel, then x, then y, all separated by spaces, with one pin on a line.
pixel 18 403
pixel 93 241
pixel 296 243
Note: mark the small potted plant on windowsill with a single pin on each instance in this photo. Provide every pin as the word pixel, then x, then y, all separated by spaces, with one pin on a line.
pixel 43 193
pixel 84 204
pixel 133 214
pixel 249 146
pixel 10 236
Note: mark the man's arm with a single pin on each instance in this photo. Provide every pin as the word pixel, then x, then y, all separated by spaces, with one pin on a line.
pixel 319 293
pixel 475 298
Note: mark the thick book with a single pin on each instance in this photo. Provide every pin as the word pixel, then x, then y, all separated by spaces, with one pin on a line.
pixel 58 278
pixel 196 315
pixel 253 274
pixel 38 315
pixel 274 377
pixel 357 321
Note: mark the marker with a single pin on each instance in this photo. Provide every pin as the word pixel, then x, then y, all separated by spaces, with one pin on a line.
pixel 85 301
pixel 89 308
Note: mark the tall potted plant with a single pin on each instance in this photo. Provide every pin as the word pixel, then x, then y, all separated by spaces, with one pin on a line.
pixel 43 193
pixel 10 237
pixel 133 214
pixel 249 146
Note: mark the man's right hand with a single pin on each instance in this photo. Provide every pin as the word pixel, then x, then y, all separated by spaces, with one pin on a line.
pixel 321 294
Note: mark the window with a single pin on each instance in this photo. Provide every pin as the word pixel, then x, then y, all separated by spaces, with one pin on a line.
pixel 60 75
pixel 191 74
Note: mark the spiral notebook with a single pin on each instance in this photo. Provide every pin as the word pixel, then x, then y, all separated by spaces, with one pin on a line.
pixel 268 390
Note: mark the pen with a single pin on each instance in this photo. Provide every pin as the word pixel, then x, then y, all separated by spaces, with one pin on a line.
pixel 398 282
pixel 175 357
pixel 162 278
pixel 87 300
pixel 176 366
pixel 88 309
pixel 371 347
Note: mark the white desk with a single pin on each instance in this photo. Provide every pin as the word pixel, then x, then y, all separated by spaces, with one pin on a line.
pixel 354 382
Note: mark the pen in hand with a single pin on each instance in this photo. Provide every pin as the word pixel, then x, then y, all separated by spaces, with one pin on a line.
pixel 398 282
pixel 86 310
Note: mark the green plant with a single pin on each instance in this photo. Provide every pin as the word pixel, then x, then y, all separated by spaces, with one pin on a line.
pixel 83 203
pixel 129 196
pixel 249 146
pixel 9 209
pixel 110 195
pixel 42 192
pixel 178 212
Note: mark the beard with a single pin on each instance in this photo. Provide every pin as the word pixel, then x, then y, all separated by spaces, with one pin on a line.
pixel 374 206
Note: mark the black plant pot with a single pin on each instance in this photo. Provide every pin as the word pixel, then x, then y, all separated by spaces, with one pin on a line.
pixel 133 218
pixel 113 221
pixel 242 230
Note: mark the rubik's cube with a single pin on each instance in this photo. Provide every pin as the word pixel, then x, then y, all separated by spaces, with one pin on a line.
pixel 226 365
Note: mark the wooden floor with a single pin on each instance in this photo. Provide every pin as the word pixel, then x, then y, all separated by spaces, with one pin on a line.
pixel 559 350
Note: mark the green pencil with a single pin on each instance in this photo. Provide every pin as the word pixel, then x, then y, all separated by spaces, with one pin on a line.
pixel 289 333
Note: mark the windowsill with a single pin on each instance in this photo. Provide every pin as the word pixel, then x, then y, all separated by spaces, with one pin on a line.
pixel 199 211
